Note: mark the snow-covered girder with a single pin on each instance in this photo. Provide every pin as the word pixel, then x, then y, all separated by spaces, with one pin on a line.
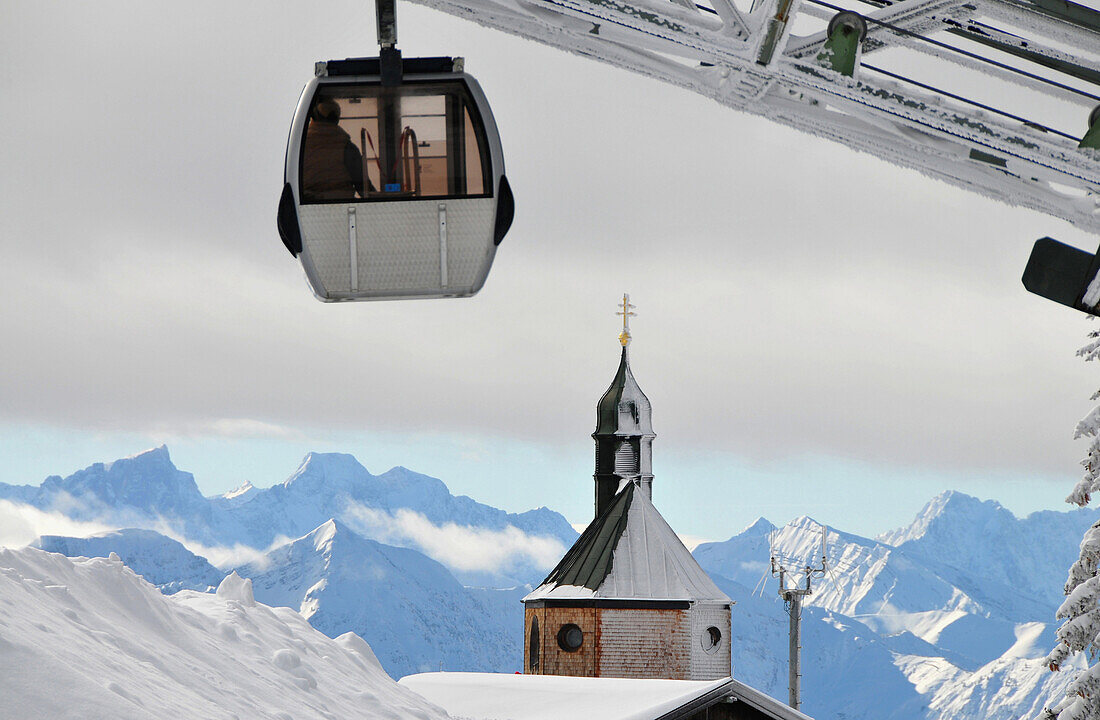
pixel 989 95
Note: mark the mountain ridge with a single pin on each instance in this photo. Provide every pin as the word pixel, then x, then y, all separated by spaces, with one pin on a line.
pixel 147 490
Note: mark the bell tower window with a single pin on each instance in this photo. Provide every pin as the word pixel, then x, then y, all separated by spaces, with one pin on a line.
pixel 711 640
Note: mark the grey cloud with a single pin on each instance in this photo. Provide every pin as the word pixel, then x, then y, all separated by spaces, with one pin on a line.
pixel 793 296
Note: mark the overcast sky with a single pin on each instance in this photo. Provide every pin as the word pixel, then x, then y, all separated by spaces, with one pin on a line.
pixel 819 332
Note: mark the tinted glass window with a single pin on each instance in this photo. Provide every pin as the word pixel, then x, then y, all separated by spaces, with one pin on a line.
pixel 410 142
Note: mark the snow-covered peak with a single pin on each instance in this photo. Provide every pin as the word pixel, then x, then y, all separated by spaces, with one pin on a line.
pixel 153 456
pixel 328 468
pixel 1015 567
pixel 800 537
pixel 760 526
pixel 147 483
pixel 949 513
pixel 323 536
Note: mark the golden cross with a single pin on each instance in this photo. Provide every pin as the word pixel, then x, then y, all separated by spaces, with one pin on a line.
pixel 624 336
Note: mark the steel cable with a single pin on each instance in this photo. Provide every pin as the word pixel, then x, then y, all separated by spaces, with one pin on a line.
pixel 966 53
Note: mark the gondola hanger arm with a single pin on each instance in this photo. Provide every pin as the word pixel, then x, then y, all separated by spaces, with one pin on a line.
pixel 386 14
pixel 389 57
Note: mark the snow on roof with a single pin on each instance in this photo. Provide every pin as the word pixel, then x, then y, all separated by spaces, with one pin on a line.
pixel 497 696
pixel 629 552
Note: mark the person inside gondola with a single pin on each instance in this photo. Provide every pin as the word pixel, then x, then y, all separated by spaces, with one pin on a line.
pixel 332 167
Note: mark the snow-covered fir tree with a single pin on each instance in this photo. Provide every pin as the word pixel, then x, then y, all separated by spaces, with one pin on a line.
pixel 1080 632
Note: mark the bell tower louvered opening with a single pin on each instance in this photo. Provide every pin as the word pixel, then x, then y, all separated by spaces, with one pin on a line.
pixel 626 458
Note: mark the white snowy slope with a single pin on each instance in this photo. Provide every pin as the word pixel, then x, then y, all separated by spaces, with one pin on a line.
pixel 342 582
pixel 159 559
pixel 88 639
pixel 414 614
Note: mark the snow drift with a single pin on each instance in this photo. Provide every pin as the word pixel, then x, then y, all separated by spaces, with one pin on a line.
pixel 87 638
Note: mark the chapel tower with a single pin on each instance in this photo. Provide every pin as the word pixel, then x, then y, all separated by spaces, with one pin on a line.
pixel 628 599
pixel 624 429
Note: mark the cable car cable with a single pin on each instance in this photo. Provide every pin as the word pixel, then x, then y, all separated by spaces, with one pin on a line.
pixel 968 101
pixel 1055 83
pixel 953 96
pixel 966 53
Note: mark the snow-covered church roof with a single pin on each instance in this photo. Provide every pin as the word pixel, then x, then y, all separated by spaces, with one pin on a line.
pixel 629 552
pixel 493 696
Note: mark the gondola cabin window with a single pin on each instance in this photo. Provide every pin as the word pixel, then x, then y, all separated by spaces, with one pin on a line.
pixel 415 141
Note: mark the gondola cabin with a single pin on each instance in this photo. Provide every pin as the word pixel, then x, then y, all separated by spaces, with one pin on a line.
pixel 394 190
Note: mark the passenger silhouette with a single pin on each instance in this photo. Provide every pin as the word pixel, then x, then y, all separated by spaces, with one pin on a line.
pixel 332 166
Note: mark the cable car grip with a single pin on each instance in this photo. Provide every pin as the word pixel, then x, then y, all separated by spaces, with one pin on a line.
pixel 386 16
pixel 389 61
pixel 389 57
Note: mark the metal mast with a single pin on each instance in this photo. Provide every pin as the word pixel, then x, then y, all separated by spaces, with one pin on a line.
pixel 792 598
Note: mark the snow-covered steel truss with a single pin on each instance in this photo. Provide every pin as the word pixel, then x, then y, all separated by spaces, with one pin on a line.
pixel 990 95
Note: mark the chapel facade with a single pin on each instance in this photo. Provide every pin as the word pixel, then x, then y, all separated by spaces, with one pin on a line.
pixel 628 599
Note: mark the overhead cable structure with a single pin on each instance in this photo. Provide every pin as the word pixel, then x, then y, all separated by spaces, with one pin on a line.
pixel 1000 97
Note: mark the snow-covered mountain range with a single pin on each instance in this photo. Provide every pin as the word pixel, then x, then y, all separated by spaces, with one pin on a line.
pixel 480 544
pixel 948 617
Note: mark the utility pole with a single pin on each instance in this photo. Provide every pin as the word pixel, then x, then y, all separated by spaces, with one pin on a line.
pixel 792 599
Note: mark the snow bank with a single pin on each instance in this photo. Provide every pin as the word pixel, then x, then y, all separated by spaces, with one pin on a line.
pixel 87 638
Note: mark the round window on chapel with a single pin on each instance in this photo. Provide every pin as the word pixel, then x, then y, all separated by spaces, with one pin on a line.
pixel 711 639
pixel 570 638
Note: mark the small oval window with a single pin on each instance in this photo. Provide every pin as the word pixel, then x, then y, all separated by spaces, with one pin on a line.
pixel 711 639
pixel 570 638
